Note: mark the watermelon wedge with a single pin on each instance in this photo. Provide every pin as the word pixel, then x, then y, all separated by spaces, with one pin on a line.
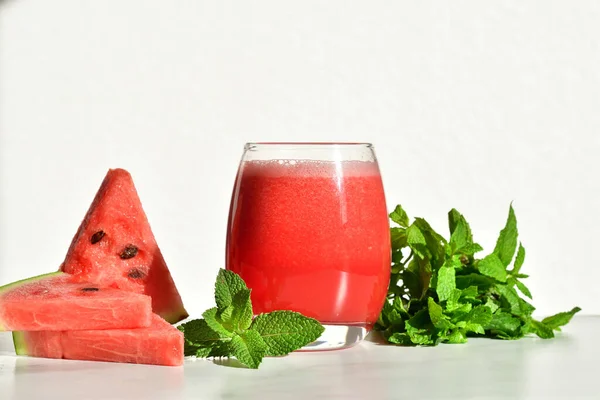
pixel 55 302
pixel 114 245
pixel 159 344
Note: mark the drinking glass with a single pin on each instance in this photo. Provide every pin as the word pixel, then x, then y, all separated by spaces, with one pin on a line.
pixel 308 231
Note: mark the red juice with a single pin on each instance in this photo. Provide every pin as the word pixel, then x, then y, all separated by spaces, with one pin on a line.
pixel 312 237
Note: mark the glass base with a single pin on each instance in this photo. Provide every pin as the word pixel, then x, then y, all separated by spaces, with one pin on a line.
pixel 338 337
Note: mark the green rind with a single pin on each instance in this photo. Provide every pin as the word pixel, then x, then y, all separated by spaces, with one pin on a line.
pixel 175 316
pixel 16 284
pixel 20 343
pixel 29 280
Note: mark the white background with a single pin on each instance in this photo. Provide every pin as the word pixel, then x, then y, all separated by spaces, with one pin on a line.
pixel 470 104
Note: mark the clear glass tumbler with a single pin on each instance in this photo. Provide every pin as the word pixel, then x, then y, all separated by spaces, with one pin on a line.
pixel 308 231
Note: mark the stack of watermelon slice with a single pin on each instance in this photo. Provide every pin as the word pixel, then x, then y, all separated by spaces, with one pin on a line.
pixel 113 299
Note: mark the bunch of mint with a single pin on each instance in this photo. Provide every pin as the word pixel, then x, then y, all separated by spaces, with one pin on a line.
pixel 440 293
pixel 229 329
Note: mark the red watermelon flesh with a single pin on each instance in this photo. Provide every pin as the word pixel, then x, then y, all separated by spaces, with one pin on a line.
pixel 46 344
pixel 114 245
pixel 159 344
pixel 54 302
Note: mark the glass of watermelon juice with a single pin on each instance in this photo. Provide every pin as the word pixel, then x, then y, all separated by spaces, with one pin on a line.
pixel 308 231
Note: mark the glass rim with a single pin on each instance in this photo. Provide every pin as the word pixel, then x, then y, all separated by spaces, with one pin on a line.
pixel 291 145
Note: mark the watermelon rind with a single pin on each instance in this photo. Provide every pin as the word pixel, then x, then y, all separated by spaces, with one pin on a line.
pixel 16 284
pixel 20 343
pixel 175 316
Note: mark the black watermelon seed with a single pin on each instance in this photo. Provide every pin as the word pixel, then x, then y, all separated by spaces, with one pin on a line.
pixel 129 251
pixel 135 274
pixel 90 289
pixel 96 237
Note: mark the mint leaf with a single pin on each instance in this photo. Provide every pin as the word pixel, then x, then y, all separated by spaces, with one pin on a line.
pixel 198 332
pixel 419 328
pixel 492 304
pixel 480 315
pixel 446 283
pixel 425 273
pixel 416 241
pixel 452 301
pixel 399 305
pixel 396 321
pixel 189 350
pixel 540 329
pixel 392 315
pixel 427 229
pixel 524 289
pixel 218 349
pixel 398 237
pixel 462 309
pixel 457 337
pixel 560 319
pixel 387 317
pixel 470 293
pixel 226 315
pixel 416 277
pixel 399 216
pixel 436 315
pixel 453 217
pixel 492 266
pixel 470 249
pixel 517 305
pixel 507 241
pixel 228 284
pixel 210 316
pixel 249 348
pixel 461 232
pixel 519 260
pixel 435 243
pixel 475 328
pixel 504 325
pixel 200 338
pixel 286 331
pixel 242 311
pixel 401 339
pixel 454 262
pixel 481 281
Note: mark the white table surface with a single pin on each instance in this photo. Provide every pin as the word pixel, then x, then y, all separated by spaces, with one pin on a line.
pixel 563 368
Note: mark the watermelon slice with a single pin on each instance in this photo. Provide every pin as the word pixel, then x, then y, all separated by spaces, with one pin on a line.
pixel 114 245
pixel 55 302
pixel 159 344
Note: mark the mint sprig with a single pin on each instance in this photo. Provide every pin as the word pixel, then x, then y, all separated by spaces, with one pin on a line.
pixel 283 330
pixel 229 329
pixel 440 293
